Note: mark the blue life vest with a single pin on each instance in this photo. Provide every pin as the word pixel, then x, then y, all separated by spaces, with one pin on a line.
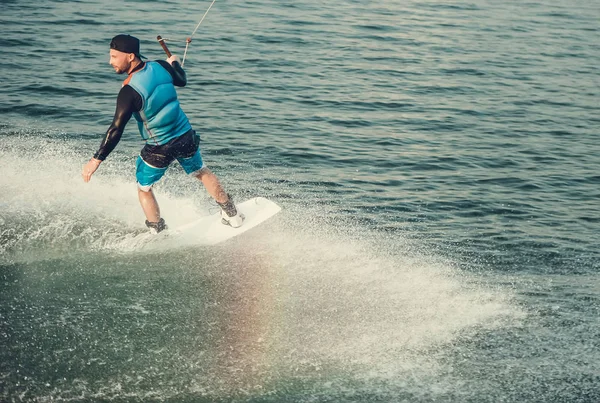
pixel 161 118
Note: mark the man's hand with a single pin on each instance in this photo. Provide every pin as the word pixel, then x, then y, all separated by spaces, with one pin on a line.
pixel 173 58
pixel 89 169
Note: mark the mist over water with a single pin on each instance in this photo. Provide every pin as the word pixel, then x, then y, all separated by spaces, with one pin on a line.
pixel 300 303
pixel 436 167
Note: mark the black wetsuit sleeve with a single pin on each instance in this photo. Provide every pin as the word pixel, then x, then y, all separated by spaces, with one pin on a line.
pixel 128 101
pixel 176 71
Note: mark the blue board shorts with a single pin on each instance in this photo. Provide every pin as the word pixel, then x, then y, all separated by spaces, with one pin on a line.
pixel 154 160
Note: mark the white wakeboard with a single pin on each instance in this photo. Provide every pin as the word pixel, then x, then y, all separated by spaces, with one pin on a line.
pixel 209 230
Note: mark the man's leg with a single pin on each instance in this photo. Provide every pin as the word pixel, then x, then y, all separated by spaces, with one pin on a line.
pixel 146 176
pixel 212 184
pixel 149 205
pixel 229 213
pixel 193 165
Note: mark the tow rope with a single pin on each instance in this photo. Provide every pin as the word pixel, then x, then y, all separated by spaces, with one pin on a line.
pixel 188 40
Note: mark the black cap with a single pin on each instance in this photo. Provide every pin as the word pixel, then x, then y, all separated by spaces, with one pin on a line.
pixel 126 44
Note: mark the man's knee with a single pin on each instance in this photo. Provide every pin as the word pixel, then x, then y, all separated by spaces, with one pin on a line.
pixel 144 188
pixel 202 172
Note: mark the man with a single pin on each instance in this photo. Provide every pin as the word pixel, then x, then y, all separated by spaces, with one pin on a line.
pixel 149 95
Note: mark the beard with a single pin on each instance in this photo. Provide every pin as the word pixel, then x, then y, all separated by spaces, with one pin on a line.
pixel 119 70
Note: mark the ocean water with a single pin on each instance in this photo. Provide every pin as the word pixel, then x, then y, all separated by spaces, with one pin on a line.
pixel 437 163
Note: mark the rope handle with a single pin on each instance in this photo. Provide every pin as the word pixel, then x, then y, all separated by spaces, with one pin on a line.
pixel 164 45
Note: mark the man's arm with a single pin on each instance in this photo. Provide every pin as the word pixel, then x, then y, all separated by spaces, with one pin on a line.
pixel 173 66
pixel 128 101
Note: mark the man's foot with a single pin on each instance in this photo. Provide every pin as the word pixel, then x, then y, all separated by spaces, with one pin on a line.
pixel 156 227
pixel 229 214
pixel 235 221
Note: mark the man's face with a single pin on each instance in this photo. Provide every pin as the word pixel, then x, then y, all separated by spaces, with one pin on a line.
pixel 120 61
